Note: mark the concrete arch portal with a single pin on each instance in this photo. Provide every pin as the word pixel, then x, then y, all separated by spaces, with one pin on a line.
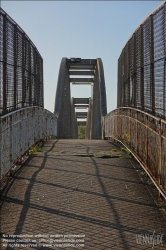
pixel 87 72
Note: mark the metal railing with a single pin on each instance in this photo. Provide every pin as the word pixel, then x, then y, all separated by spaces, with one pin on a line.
pixel 21 68
pixel 142 65
pixel 21 129
pixel 145 136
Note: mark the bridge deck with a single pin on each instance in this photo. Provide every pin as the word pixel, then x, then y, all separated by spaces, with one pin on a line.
pixel 62 191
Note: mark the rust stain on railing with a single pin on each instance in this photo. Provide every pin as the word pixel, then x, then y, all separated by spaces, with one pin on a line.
pixel 145 136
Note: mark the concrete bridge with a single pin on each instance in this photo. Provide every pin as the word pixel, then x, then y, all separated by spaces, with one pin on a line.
pixel 105 192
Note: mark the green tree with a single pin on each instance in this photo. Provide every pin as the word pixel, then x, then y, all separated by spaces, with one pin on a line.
pixel 81 132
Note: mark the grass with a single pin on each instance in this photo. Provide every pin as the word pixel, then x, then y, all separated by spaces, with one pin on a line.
pixel 114 150
pixel 125 150
pixel 34 149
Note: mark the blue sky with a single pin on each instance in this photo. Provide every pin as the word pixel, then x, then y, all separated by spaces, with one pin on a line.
pixel 84 29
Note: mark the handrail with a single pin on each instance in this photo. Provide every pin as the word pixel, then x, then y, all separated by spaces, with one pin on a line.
pixel 21 129
pixel 145 137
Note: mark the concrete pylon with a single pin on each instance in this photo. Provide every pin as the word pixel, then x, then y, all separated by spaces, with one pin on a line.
pixel 99 103
pixel 88 123
pixel 64 105
pixel 74 124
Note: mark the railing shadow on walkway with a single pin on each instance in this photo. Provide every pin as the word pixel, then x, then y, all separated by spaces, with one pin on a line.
pixel 117 224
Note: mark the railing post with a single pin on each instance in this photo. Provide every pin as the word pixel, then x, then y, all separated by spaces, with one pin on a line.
pixel 142 69
pixel 130 125
pixel 147 140
pixel 164 92
pixel 159 155
pixel 29 73
pixel 136 132
pixel 152 91
pixel 22 99
pixel 128 74
pixel 134 71
pixel 4 66
pixel 15 66
pixel 35 76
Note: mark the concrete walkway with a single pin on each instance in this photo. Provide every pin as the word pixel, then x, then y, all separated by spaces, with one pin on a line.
pixel 78 194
